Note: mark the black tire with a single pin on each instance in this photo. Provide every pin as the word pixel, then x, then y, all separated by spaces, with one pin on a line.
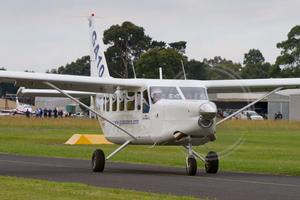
pixel 98 161
pixel 212 163
pixel 191 166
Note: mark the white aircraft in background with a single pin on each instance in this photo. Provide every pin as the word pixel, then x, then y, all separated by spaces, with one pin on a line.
pixel 148 111
pixel 20 109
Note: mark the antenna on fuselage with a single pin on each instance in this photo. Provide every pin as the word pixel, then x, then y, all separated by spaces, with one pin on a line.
pixel 182 65
pixel 160 73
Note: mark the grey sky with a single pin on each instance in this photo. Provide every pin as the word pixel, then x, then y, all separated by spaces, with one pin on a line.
pixel 40 35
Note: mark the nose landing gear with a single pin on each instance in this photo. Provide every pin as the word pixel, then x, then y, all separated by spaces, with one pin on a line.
pixel 191 166
pixel 191 162
pixel 211 161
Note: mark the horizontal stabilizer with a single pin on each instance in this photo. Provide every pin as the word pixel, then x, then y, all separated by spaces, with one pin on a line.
pixel 51 93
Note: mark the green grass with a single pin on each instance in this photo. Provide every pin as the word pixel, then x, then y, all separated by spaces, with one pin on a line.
pixel 264 147
pixel 29 189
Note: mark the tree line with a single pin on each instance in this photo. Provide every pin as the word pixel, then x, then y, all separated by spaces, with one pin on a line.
pixel 128 46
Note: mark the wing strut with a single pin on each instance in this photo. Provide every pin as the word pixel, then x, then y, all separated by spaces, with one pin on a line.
pixel 90 109
pixel 118 149
pixel 249 105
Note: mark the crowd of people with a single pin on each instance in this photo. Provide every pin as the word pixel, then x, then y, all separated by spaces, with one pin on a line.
pixel 46 113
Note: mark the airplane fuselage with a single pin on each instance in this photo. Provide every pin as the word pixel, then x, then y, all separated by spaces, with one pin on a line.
pixel 176 118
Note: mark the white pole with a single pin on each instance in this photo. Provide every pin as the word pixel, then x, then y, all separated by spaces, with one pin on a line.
pixel 160 73
pixel 182 65
pixel 134 74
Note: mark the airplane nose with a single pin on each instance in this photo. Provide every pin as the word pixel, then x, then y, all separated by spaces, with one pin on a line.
pixel 208 110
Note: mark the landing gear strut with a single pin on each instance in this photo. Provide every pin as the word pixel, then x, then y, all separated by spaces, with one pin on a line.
pixel 191 162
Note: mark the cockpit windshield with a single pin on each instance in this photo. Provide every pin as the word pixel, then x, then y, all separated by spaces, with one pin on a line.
pixel 158 93
pixel 194 93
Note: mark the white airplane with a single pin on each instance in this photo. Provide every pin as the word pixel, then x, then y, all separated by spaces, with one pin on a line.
pixel 20 109
pixel 148 111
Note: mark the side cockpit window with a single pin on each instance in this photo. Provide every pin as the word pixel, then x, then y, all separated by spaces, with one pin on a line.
pixel 158 93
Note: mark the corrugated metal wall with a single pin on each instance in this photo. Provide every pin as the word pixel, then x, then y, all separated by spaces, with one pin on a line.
pixel 295 107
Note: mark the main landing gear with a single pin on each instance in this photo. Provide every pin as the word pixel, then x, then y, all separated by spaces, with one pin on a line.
pixel 98 161
pixel 211 162
pixel 98 157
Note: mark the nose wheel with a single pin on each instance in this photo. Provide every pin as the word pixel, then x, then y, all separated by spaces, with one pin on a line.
pixel 211 162
pixel 191 166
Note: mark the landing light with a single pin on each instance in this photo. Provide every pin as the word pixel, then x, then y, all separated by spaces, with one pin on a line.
pixel 205 123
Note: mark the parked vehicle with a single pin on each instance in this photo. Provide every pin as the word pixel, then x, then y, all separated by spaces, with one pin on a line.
pixel 252 115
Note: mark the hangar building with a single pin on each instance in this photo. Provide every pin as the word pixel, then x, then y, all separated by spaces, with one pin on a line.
pixel 287 102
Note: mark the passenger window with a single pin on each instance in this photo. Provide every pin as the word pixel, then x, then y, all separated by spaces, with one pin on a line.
pixel 138 100
pixel 146 105
pixel 130 100
pixel 121 102
pixel 107 103
pixel 114 102
pixel 103 103
pixel 99 103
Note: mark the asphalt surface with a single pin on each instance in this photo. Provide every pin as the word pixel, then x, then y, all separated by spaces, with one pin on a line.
pixel 156 179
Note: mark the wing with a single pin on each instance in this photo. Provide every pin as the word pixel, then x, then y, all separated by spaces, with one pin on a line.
pixel 68 82
pixel 250 85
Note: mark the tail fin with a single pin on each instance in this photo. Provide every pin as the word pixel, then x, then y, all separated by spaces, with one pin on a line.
pixel 98 62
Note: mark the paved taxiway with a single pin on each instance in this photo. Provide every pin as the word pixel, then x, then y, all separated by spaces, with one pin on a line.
pixel 157 179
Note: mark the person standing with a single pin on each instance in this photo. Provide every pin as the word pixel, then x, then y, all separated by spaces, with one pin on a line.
pixel 55 112
pixel 45 112
pixel 49 112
